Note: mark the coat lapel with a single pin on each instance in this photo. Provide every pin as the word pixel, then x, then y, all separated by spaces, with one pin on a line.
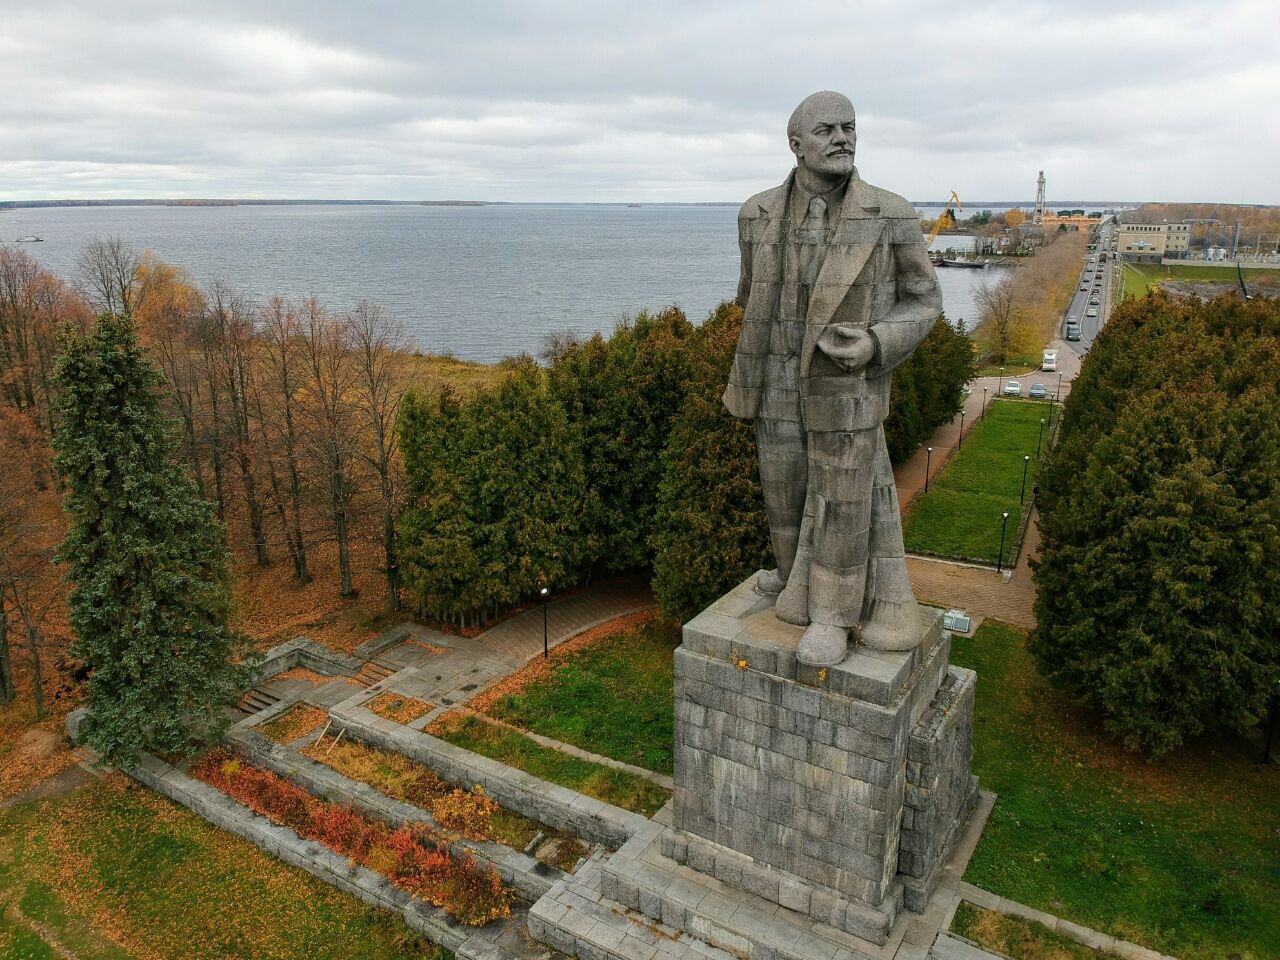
pixel 845 257
pixel 766 261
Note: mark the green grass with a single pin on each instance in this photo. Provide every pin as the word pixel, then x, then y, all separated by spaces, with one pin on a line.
pixel 1015 937
pixel 113 871
pixel 959 516
pixel 1140 277
pixel 618 787
pixel 1181 855
pixel 620 691
pixel 1012 369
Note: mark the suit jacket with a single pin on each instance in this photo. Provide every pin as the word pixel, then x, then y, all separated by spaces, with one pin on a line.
pixel 875 275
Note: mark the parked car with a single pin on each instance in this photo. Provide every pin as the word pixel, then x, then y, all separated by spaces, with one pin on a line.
pixel 1013 389
pixel 1037 391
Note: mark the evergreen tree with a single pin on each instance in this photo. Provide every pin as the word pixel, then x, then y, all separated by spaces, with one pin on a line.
pixel 1160 521
pixel 904 427
pixel 150 599
pixel 620 396
pixel 435 532
pixel 525 491
pixel 496 489
pixel 710 528
pixel 928 389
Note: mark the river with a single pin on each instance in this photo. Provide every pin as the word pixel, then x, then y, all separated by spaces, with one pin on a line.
pixel 479 282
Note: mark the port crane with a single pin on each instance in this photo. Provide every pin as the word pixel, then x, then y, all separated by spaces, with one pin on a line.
pixel 945 219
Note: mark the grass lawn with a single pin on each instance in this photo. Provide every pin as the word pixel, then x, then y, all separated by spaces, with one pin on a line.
pixel 114 871
pixel 514 749
pixel 1015 937
pixel 1140 277
pixel 1181 855
pixel 959 516
pixel 620 688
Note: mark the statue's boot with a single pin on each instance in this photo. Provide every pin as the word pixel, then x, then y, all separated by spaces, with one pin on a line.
pixel 890 617
pixel 823 645
pixel 770 582
pixel 792 605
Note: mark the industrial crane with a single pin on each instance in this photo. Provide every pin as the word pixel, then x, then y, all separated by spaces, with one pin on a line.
pixel 945 219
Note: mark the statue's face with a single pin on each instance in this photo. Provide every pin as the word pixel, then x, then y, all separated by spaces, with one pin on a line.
pixel 825 136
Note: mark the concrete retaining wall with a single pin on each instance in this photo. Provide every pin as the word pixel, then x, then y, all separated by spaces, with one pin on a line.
pixel 593 820
pixel 530 877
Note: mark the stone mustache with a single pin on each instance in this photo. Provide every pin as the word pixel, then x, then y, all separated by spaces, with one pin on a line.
pixel 837 290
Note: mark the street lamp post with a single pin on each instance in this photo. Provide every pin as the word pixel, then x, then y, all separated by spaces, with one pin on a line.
pixel 928 465
pixel 1004 519
pixel 1026 462
pixel 983 412
pixel 1000 382
pixel 960 439
pixel 1040 436
pixel 546 652
pixel 1059 384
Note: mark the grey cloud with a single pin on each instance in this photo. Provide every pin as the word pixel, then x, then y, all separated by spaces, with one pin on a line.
pixel 664 100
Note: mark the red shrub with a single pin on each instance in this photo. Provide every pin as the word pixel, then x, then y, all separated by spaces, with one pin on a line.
pixel 422 865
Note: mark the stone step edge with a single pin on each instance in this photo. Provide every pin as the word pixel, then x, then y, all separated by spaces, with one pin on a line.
pixel 730 921
pixel 578 921
pixel 778 886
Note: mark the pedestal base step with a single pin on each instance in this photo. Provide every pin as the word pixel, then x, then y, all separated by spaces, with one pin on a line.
pixel 740 873
pixel 641 879
pixel 576 919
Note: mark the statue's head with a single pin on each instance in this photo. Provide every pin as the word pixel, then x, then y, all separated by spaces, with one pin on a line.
pixel 822 135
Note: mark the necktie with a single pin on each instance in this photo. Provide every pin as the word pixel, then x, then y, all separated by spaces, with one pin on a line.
pixel 811 237
pixel 817 217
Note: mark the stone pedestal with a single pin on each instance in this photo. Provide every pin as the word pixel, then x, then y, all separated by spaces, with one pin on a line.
pixel 811 805
pixel 841 786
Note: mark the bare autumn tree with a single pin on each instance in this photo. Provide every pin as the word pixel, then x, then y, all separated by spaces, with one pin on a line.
pixel 170 317
pixel 330 421
pixel 24 557
pixel 286 362
pixel 213 429
pixel 1000 310
pixel 231 320
pixel 107 275
pixel 378 344
pixel 34 304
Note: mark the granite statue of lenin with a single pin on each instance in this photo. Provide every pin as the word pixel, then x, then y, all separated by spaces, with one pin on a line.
pixel 837 290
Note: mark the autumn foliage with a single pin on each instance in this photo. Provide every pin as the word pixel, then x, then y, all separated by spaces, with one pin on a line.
pixel 409 856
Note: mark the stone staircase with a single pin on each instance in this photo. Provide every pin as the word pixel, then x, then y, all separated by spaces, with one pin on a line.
pixel 374 672
pixel 257 699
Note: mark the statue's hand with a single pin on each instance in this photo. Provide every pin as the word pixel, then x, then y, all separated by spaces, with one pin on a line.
pixel 851 347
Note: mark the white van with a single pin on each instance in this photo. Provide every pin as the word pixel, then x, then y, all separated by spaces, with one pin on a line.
pixel 1091 312
pixel 1049 362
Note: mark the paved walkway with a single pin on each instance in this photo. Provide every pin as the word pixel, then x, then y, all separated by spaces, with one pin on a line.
pixel 521 635
pixel 446 671
pixel 977 590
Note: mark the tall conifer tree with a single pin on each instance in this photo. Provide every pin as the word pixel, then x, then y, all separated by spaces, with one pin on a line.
pixel 150 598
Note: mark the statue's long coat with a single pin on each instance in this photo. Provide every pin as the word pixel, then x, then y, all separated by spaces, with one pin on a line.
pixel 875 275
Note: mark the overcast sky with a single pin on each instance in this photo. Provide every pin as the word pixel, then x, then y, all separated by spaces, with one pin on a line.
pixel 643 100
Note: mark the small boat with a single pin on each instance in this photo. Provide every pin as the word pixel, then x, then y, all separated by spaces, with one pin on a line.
pixel 29 240
pixel 968 264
